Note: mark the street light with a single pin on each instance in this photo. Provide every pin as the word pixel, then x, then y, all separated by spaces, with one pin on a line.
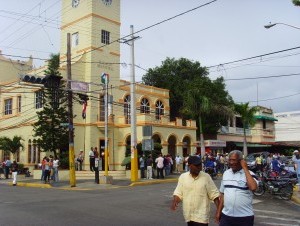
pixel 272 25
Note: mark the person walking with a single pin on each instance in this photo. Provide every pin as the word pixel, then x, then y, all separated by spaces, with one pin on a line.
pixel 236 188
pixel 149 163
pixel 7 167
pixel 92 159
pixel 297 166
pixel 196 190
pixel 160 166
pixel 178 161
pixel 14 171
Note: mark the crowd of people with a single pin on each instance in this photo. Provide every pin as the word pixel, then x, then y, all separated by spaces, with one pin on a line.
pixel 49 169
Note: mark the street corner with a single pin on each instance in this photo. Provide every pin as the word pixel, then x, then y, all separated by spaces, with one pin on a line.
pixel 153 181
pixel 32 185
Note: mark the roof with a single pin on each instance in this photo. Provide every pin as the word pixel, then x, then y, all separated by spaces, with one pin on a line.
pixel 269 118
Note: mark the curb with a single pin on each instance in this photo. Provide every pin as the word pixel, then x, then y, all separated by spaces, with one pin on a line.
pixel 142 183
pixel 32 185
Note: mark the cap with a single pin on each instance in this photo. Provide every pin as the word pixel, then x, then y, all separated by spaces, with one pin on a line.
pixel 194 160
pixel 296 151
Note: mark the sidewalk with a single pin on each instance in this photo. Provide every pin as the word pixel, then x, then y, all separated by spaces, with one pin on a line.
pixel 87 184
pixel 117 183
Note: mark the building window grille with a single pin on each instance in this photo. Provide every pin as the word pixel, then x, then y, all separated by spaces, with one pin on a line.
pixel 8 106
pixel 105 37
pixel 159 109
pixel 38 99
pixel 75 39
pixel 127 109
pixel 145 106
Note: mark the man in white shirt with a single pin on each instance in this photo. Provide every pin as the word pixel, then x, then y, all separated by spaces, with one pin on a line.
pixel 178 161
pixel 92 159
pixel 196 190
pixel 160 166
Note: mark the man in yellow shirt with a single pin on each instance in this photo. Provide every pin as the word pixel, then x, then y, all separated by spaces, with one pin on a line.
pixel 195 189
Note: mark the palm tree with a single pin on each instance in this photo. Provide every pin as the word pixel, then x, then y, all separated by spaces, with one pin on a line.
pixel 247 114
pixel 11 145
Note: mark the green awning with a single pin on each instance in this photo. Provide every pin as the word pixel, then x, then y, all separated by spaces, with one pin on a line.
pixel 252 145
pixel 265 117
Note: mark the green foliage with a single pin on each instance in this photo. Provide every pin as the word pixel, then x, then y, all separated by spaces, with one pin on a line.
pixel 192 93
pixel 9 145
pixel 64 160
pixel 247 114
pixel 51 135
pixel 296 2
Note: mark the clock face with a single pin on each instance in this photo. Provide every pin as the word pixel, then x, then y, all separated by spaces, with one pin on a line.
pixel 75 3
pixel 107 2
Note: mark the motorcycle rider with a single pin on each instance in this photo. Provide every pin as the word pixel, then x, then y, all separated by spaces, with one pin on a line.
pixel 210 165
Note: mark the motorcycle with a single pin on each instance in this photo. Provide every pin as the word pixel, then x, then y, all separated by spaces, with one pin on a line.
pixel 275 185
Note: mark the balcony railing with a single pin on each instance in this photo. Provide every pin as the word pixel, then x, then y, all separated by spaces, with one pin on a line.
pixel 234 130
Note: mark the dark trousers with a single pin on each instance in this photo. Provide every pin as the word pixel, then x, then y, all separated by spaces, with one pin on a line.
pixel 6 171
pixel 92 164
pixel 236 221
pixel 193 223
pixel 142 172
pixel 160 172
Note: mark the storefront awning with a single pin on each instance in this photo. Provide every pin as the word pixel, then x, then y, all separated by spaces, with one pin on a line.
pixel 252 145
pixel 268 118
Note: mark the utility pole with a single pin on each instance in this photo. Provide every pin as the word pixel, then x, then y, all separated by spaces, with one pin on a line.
pixel 106 127
pixel 70 109
pixel 134 160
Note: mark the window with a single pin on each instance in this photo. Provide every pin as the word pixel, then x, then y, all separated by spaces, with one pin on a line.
pixel 38 99
pixel 127 109
pixel 145 106
pixel 8 106
pixel 75 39
pixel 19 104
pixel 105 36
pixel 159 109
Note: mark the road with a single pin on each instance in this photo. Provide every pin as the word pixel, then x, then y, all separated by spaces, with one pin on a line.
pixel 140 205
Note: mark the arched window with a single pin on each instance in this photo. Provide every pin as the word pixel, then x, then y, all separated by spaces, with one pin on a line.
pixel 159 109
pixel 127 109
pixel 145 106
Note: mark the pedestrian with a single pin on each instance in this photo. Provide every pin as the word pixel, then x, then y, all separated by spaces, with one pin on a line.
pixel 92 159
pixel 186 165
pixel 43 168
pixel 297 165
pixel 14 171
pixel 196 190
pixel 149 163
pixel 55 169
pixel 7 167
pixel 47 168
pixel 160 166
pixel 167 165
pixel 142 166
pixel 236 188
pixel 80 159
pixel 178 161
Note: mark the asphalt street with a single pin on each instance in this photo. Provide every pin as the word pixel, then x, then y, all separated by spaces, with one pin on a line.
pixel 140 205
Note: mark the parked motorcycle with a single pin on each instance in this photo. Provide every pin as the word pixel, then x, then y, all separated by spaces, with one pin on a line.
pixel 275 185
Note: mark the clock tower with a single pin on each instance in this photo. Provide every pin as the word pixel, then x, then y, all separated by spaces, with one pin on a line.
pixel 94 26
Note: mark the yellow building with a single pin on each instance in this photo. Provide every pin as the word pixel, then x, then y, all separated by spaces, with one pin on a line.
pixel 94 27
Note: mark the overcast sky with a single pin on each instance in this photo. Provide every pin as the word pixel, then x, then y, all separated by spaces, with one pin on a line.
pixel 215 34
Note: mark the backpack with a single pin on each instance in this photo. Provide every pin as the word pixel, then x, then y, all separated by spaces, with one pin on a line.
pixel 166 161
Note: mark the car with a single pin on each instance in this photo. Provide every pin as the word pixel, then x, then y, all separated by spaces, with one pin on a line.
pixel 250 159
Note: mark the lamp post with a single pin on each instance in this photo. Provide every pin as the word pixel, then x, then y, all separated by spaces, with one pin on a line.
pixel 272 25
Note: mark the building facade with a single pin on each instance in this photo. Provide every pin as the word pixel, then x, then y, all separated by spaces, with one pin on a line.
pixel 94 27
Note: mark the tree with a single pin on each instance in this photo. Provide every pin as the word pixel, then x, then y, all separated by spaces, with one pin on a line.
pixel 296 2
pixel 52 136
pixel 11 145
pixel 247 114
pixel 180 77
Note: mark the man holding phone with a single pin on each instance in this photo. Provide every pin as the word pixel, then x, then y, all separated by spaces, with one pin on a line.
pixel 236 188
